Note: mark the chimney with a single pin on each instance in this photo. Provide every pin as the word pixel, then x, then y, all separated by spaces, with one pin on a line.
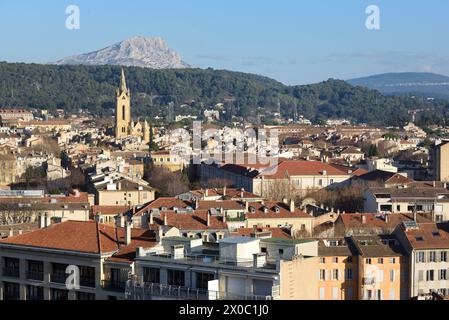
pixel 11 232
pixel 98 217
pixel 206 193
pixel 246 206
pixel 292 206
pixel 285 200
pixel 224 191
pixel 197 204
pixel 20 231
pixel 224 218
pixel 165 219
pixel 119 221
pixel 119 185
pixel 159 235
pixel 47 221
pixel 151 218
pixel 127 233
pixel 387 218
pixel 415 216
pixel 208 218
pixel 41 221
pixel 363 219
pixel 144 220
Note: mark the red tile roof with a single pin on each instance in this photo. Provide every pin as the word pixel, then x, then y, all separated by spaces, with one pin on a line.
pixel 225 204
pixel 109 210
pixel 191 221
pixel 251 232
pixel 428 236
pixel 284 211
pixel 86 237
pixel 304 168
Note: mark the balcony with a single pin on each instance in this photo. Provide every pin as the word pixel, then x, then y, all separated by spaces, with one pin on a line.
pixel 369 281
pixel 116 286
pixel 35 275
pixel 147 291
pixel 11 272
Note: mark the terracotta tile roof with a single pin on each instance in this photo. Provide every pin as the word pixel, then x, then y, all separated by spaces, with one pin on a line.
pixel 342 249
pixel 377 246
pixel 428 236
pixel 251 232
pixel 304 168
pixel 191 221
pixel 385 177
pixel 225 204
pixel 166 202
pixel 86 237
pixel 109 210
pixel 139 238
pixel 354 220
pixel 284 211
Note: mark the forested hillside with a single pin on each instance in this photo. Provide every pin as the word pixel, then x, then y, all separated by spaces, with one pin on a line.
pixel 245 95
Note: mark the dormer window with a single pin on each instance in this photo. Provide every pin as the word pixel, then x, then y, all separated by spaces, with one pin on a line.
pixel 277 209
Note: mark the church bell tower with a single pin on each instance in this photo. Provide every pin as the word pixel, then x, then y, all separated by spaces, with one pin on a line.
pixel 123 109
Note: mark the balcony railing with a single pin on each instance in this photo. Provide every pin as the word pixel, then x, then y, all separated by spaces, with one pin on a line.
pixel 11 272
pixel 369 281
pixel 116 286
pixel 35 275
pixel 144 291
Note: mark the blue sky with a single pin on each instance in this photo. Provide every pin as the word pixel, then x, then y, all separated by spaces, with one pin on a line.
pixel 293 41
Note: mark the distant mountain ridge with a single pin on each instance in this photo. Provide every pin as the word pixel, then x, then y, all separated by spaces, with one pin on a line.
pixel 136 51
pixel 429 85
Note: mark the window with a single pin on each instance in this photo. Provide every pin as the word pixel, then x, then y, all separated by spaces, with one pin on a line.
pixel 379 294
pixel 320 182
pixel 322 260
pixel 392 260
pixel 331 181
pixel 443 274
pixel 349 274
pixel 392 275
pixel 175 278
pixel 335 293
pixel 335 260
pixel 58 294
pixel 349 260
pixel 151 275
pixel 35 293
pixel 335 274
pixel 84 296
pixel 123 112
pixel 281 251
pixel 432 256
pixel 380 275
pixel 420 275
pixel 323 274
pixel 443 256
pixel 420 257
pixel 349 294
pixel 398 208
pixel 392 294
pixel 380 261
pixel 368 261
pixel 202 280
pixel 322 293
pixel 430 275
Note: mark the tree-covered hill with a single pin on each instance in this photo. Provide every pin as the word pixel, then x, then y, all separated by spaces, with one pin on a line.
pixel 244 95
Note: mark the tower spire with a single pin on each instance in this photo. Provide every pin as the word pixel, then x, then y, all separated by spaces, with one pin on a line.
pixel 123 87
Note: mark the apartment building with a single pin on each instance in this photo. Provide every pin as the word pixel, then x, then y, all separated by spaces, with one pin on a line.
pixel 165 159
pixel 301 176
pixel 267 214
pixel 238 268
pixel 338 270
pixel 404 199
pixel 123 192
pixel 439 161
pixel 382 268
pixel 33 265
pixel 427 244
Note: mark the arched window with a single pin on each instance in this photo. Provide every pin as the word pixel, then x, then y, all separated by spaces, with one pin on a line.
pixel 123 112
